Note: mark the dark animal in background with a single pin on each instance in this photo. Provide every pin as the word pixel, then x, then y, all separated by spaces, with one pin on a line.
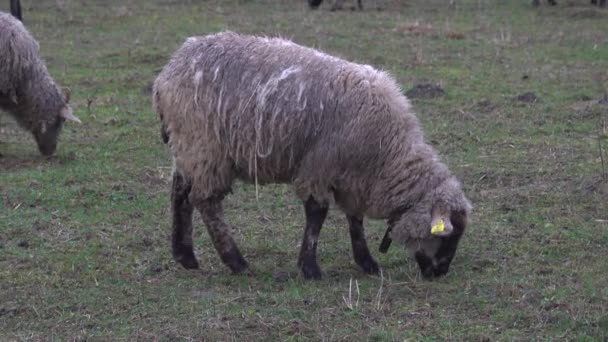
pixel 336 6
pixel 27 91
pixel 537 2
pixel 266 110
pixel 16 9
pixel 601 3
pixel 314 4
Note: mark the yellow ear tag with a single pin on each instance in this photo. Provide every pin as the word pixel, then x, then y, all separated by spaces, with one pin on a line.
pixel 439 227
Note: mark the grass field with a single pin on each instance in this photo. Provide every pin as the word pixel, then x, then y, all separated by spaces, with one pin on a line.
pixel 84 235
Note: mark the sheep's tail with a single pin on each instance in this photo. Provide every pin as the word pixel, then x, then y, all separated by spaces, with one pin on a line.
pixel 16 9
pixel 164 133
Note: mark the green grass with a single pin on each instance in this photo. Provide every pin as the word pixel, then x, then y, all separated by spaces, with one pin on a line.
pixel 84 235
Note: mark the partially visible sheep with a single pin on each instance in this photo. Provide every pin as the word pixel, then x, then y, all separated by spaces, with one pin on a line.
pixel 27 91
pixel 266 110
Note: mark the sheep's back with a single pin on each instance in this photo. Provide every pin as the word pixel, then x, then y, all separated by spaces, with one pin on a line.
pixel 265 103
pixel 18 53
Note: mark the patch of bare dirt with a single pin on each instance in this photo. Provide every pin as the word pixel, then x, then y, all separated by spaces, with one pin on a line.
pixel 456 35
pixel 596 185
pixel 150 58
pixel 33 160
pixel 12 162
pixel 485 106
pixel 157 177
pixel 282 276
pixel 425 91
pixel 528 97
pixel 587 13
pixel 415 28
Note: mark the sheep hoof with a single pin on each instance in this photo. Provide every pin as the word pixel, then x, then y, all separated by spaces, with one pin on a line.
pixel 429 269
pixel 188 261
pixel 235 261
pixel 369 266
pixel 311 271
pixel 239 268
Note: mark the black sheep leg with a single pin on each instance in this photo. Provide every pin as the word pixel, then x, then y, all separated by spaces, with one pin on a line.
pixel 181 209
pixel 360 250
pixel 315 215
pixel 212 213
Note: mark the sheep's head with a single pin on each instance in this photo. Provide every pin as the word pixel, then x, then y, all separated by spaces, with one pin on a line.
pixel 445 206
pixel 46 132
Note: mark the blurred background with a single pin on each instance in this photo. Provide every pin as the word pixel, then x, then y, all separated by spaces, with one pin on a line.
pixel 513 96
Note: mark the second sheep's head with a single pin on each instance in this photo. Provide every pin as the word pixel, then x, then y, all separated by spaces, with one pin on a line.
pixel 46 131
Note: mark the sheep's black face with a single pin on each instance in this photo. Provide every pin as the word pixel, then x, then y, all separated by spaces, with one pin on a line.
pixel 435 255
pixel 46 134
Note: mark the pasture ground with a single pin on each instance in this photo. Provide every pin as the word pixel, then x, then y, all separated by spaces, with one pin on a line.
pixel 84 235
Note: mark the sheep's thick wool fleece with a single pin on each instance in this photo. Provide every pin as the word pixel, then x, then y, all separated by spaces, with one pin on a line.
pixel 27 91
pixel 269 110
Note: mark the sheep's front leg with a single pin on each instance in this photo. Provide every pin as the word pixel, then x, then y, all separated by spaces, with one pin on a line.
pixel 360 251
pixel 181 209
pixel 315 216
pixel 212 213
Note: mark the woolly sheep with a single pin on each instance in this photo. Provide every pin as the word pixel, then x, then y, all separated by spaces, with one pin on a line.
pixel 27 91
pixel 266 110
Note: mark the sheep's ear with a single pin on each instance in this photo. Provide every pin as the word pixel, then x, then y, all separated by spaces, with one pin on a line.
pixel 67 92
pixel 441 225
pixel 67 114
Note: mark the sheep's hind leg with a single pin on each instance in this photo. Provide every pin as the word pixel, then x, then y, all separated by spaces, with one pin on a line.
pixel 315 215
pixel 212 213
pixel 181 208
pixel 360 250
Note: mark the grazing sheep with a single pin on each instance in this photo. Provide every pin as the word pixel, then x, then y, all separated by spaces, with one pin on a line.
pixel 266 110
pixel 16 9
pixel 27 91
